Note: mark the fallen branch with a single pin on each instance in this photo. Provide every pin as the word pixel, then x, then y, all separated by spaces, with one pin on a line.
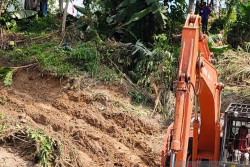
pixel 40 37
pixel 25 66
pixel 19 139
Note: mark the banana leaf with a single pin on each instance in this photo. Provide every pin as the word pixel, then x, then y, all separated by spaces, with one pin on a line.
pixel 125 3
pixel 82 9
pixel 138 16
pixel 158 11
pixel 22 14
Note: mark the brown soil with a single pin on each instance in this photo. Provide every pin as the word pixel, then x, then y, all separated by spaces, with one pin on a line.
pixel 96 125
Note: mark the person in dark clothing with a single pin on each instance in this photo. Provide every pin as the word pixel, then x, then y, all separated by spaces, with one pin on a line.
pixel 240 146
pixel 44 7
pixel 206 11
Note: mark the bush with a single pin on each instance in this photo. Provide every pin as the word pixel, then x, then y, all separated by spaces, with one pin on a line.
pixel 217 25
pixel 47 148
pixel 138 97
pixel 108 76
pixel 85 57
pixel 56 60
pixel 55 64
pixel 234 67
pixel 36 25
pixel 238 30
pixel 24 54
pixel 158 64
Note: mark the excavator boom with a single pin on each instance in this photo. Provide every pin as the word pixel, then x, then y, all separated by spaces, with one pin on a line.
pixel 197 78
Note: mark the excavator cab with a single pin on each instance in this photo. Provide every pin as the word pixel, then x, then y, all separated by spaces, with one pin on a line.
pixel 235 116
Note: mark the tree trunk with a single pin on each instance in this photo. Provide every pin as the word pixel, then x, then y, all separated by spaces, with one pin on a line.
pixel 219 8
pixel 1 6
pixel 61 5
pixel 191 6
pixel 64 17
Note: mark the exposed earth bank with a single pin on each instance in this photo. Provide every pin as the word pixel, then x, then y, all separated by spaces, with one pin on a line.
pixel 96 124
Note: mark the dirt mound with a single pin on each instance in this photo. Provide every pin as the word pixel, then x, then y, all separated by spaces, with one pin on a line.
pixel 96 126
pixel 8 158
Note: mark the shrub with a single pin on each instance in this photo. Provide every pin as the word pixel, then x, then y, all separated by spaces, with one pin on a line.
pixel 36 25
pixel 47 149
pixel 234 67
pixel 138 97
pixel 85 57
pixel 217 25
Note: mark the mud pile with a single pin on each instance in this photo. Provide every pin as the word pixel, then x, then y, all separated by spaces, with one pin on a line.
pixel 96 125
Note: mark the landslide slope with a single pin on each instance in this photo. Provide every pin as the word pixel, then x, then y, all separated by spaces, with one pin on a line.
pixel 96 124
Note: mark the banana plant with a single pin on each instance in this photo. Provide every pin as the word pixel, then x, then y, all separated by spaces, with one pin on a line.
pixel 125 19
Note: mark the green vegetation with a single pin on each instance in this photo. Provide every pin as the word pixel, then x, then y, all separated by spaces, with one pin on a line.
pixel 138 97
pixel 47 149
pixel 31 26
pixel 130 21
pixel 85 57
pixel 238 30
pixel 36 26
pixel 235 23
pixel 26 54
pixel 31 142
pixel 56 60
pixel 6 75
pixel 109 76
pixel 130 39
pixel 234 67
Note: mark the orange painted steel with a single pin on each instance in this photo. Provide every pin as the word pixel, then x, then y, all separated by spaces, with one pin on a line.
pixel 185 93
pixel 196 76
pixel 166 144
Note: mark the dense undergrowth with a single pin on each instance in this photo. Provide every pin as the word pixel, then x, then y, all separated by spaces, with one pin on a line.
pixel 37 25
pixel 234 24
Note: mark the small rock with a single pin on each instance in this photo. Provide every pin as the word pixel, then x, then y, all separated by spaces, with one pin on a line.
pixel 79 123
pixel 65 96
pixel 4 93
pixel 23 121
pixel 22 116
pixel 111 129
pixel 32 77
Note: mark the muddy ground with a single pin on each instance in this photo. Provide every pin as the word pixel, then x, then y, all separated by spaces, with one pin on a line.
pixel 96 124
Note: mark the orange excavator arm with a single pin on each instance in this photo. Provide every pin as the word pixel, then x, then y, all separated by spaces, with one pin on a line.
pixel 197 76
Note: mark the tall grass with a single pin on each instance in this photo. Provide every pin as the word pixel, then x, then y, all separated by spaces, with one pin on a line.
pixel 234 67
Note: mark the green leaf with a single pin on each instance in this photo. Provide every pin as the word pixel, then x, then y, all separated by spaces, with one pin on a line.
pixel 159 11
pixel 137 16
pixel 22 14
pixel 120 15
pixel 181 1
pixel 4 71
pixel 81 9
pixel 8 79
pixel 150 1
pixel 110 19
pixel 124 3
